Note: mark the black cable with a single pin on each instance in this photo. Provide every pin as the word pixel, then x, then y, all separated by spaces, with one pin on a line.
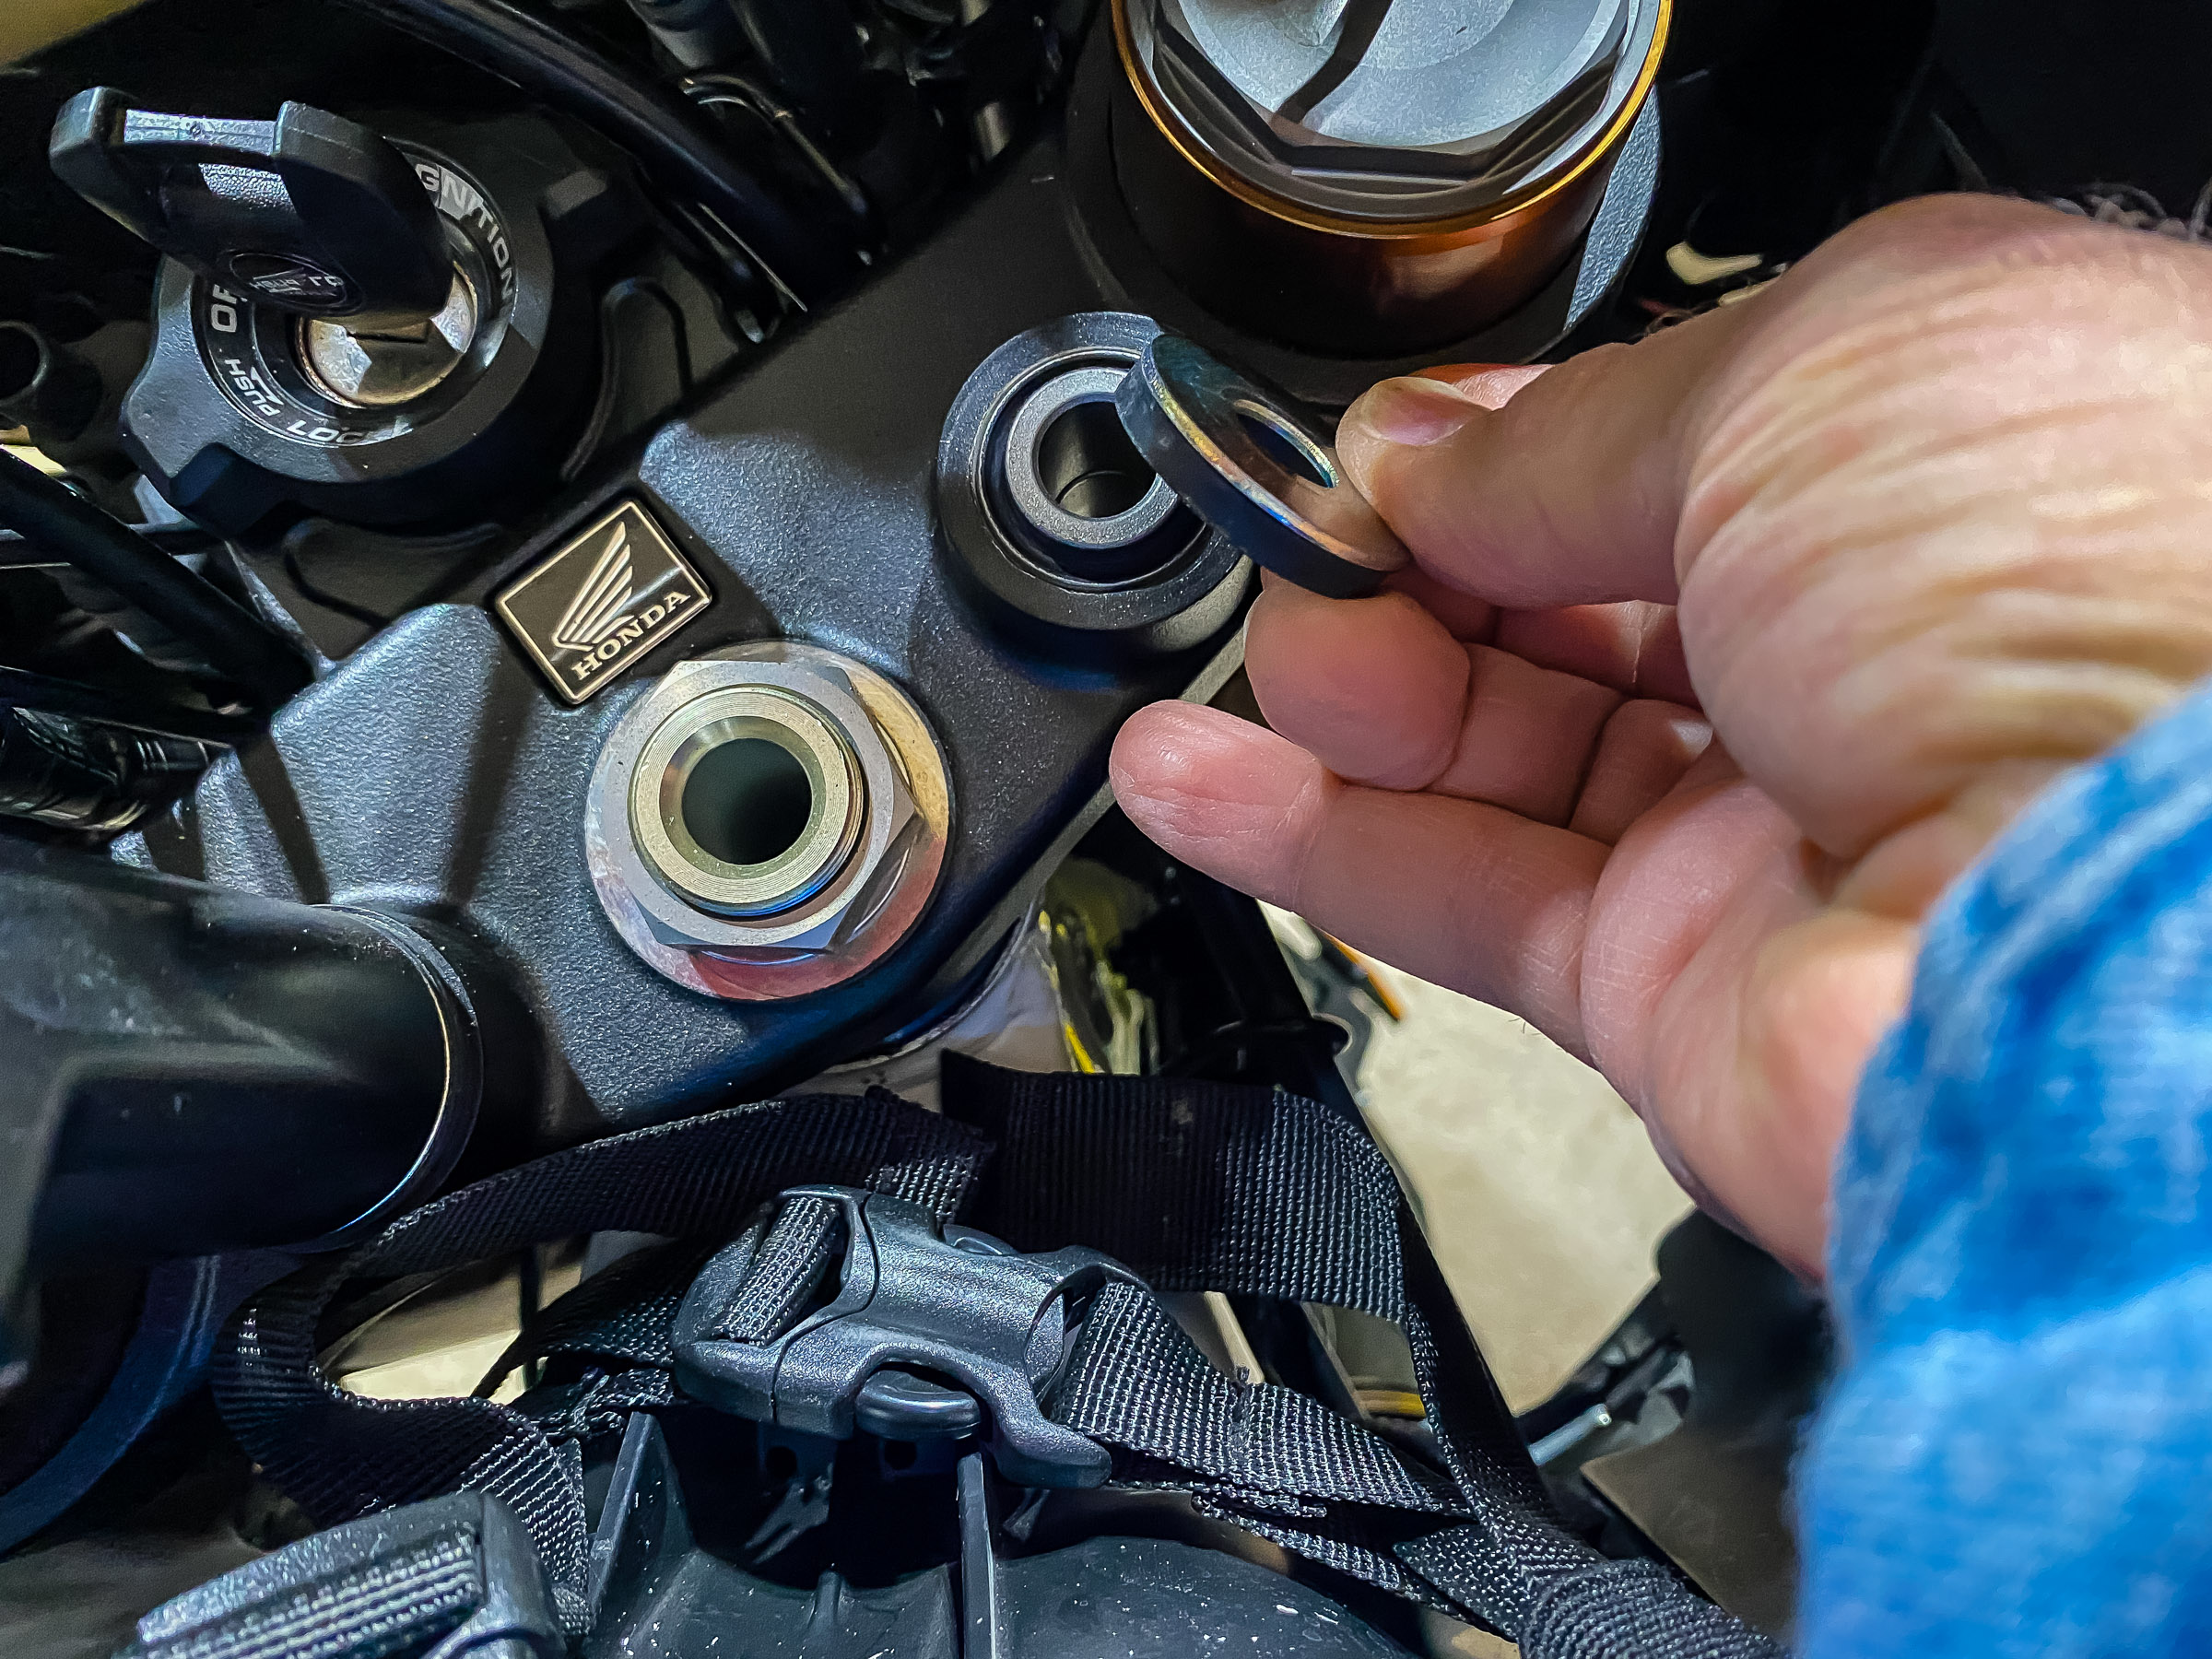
pixel 42 694
pixel 710 90
pixel 654 124
pixel 238 646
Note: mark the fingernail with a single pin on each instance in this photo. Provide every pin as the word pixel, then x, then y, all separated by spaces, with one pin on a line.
pixel 1409 412
pixel 1412 411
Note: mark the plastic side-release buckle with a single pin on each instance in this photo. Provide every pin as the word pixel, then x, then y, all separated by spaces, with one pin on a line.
pixel 933 1331
pixel 450 1576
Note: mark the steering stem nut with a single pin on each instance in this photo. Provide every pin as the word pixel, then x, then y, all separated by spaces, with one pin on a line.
pixel 768 821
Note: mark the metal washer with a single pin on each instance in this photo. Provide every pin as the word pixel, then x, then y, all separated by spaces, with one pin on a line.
pixel 793 876
pixel 1034 418
pixel 1191 598
pixel 1225 444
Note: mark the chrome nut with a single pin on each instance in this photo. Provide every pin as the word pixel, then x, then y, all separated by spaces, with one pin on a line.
pixel 807 894
pixel 768 821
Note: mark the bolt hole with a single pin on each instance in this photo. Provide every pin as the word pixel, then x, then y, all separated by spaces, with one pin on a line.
pixel 900 1454
pixel 22 355
pixel 1088 467
pixel 1285 446
pixel 781 1463
pixel 747 801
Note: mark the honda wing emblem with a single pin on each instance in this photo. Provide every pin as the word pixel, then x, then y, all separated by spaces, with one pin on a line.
pixel 596 611
pixel 608 594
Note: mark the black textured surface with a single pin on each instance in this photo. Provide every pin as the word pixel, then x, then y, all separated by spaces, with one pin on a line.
pixel 1133 1359
pixel 1108 1597
pixel 1114 1597
pixel 1615 1607
pixel 456 1574
pixel 432 773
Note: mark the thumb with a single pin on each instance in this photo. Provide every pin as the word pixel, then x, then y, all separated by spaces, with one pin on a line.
pixel 1540 486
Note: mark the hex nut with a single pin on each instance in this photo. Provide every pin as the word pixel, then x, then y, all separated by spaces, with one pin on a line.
pixel 856 876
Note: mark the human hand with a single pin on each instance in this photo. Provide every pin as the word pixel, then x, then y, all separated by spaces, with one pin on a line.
pixel 1724 654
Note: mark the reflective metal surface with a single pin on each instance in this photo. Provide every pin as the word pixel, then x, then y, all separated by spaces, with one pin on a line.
pixel 1252 472
pixel 373 370
pixel 1071 471
pixel 769 820
pixel 1405 173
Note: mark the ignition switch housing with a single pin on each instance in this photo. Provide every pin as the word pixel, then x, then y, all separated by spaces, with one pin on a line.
pixel 247 414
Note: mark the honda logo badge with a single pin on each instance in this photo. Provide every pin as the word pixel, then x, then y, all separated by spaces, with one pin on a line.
pixel 608 595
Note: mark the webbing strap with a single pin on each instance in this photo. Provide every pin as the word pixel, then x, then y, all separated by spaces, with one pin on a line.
pixel 620 1315
pixel 1217 1187
pixel 1611 1608
pixel 454 1575
pixel 788 1263
pixel 403 1603
pixel 1191 1187
pixel 1137 1382
pixel 1194 1186
pixel 1260 1455
pixel 341 1457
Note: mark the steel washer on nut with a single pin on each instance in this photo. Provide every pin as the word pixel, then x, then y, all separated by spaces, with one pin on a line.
pixel 697 927
pixel 822 849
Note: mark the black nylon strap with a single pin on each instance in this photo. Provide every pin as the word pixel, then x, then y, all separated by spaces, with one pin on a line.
pixel 619 1315
pixel 1226 1187
pixel 787 1265
pixel 1208 1186
pixel 1634 1607
pixel 1194 1185
pixel 1361 1547
pixel 604 1405
pixel 1133 1359
pixel 403 1603
pixel 341 1457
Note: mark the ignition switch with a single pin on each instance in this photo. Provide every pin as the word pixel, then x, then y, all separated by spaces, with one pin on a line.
pixel 386 329
pixel 308 213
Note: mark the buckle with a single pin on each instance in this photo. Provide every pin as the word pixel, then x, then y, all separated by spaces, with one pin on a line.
pixel 935 1332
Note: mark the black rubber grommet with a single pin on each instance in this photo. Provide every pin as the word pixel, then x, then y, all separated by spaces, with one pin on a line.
pixel 1053 600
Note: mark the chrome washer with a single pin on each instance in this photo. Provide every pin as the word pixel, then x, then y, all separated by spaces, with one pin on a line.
pixel 659 789
pixel 1039 410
